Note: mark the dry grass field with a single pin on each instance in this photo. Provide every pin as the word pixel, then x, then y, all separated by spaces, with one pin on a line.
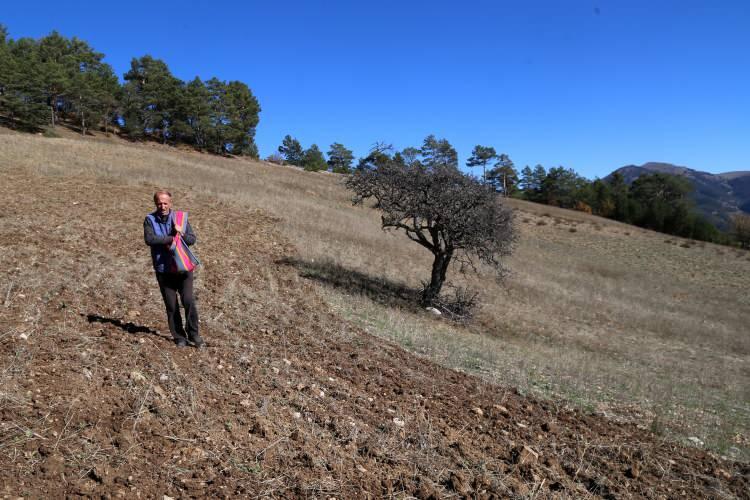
pixel 626 322
pixel 612 363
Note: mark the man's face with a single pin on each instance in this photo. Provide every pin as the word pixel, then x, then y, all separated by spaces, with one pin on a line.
pixel 163 204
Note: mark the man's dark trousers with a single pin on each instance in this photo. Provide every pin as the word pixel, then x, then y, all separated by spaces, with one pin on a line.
pixel 170 285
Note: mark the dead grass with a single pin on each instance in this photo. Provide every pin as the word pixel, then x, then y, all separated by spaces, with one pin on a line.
pixel 606 316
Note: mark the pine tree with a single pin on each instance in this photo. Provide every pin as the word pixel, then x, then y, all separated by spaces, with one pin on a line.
pixel 313 160
pixel 291 150
pixel 7 70
pixel 624 208
pixel 340 159
pixel 741 229
pixel 84 97
pixel 438 154
pixel 10 97
pixel 410 156
pixel 151 95
pixel 91 96
pixel 480 157
pixel 22 97
pixel 193 118
pixel 601 199
pixel 242 114
pixel 560 187
pixel 503 177
pixel 664 203
pixel 110 94
pixel 531 182
pixel 54 63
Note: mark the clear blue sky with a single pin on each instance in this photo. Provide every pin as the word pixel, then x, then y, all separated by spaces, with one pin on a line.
pixel 591 85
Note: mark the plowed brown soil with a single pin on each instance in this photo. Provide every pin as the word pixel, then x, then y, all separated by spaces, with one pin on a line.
pixel 289 400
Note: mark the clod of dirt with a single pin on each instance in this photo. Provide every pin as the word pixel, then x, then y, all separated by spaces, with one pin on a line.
pixel 159 391
pixel 501 410
pixel 634 471
pixel 457 482
pixel 525 455
pixel 478 411
pixel 722 473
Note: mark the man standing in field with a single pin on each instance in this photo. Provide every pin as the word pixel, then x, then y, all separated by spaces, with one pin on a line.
pixel 164 231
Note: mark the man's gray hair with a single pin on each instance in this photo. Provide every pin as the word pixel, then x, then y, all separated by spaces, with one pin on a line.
pixel 159 193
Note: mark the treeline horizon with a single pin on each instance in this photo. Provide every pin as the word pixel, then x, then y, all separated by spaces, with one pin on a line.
pixel 656 201
pixel 56 80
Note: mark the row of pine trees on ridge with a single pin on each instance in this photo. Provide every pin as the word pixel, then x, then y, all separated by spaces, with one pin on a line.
pixel 56 79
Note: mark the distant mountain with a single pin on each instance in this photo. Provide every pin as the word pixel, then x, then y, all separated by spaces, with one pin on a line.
pixel 717 196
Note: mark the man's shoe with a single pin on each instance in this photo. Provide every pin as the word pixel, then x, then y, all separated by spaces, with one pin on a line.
pixel 180 343
pixel 198 342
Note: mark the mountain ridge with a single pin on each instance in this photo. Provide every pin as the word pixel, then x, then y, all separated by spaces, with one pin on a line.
pixel 717 196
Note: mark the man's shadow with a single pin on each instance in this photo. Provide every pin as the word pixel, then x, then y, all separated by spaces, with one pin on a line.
pixel 128 327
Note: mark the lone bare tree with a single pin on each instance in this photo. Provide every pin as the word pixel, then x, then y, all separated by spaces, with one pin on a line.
pixel 450 214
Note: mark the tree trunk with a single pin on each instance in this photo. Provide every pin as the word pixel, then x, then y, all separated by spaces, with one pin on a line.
pixel 83 118
pixel 439 269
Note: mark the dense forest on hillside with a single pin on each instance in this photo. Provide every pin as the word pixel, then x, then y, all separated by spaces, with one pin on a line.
pixel 660 202
pixel 57 79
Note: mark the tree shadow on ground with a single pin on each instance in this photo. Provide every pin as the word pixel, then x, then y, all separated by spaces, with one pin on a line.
pixel 381 290
pixel 128 327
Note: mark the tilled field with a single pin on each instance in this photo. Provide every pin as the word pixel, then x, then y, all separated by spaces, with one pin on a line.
pixel 288 400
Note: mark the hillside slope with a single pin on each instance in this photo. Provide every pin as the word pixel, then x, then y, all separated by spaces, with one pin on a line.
pixel 716 196
pixel 289 400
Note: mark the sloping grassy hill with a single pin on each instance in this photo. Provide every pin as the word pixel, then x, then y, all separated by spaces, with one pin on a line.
pixel 295 398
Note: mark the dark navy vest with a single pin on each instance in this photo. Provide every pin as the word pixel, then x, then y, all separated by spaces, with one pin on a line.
pixel 160 254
